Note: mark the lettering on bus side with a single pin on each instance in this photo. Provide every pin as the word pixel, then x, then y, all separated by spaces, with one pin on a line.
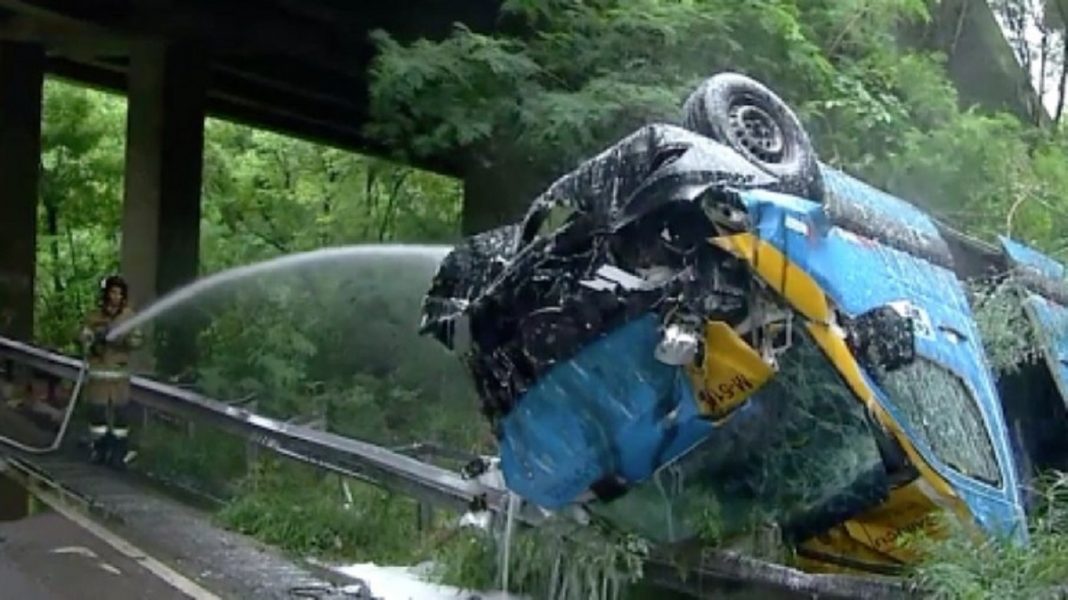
pixel 724 395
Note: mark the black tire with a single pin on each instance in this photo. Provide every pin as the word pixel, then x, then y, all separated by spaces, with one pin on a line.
pixel 751 119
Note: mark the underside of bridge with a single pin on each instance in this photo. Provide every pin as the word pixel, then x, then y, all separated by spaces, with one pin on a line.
pixel 294 66
pixel 298 67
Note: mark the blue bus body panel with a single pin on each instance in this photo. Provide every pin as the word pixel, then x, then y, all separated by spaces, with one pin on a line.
pixel 1048 317
pixel 877 203
pixel 1024 255
pixel 860 274
pixel 603 413
pixel 1051 321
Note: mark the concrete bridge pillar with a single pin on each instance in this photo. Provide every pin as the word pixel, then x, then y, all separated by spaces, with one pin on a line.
pixel 164 154
pixel 21 82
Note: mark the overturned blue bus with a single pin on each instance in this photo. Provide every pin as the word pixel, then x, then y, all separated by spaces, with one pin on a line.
pixel 706 324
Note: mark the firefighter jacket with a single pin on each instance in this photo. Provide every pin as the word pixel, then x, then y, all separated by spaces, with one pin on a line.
pixel 108 360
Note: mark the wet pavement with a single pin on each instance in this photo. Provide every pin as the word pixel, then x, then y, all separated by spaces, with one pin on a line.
pixel 48 557
pixel 180 537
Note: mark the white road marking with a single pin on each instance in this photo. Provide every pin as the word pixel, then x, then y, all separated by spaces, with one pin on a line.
pixel 173 578
pixel 110 568
pixel 75 550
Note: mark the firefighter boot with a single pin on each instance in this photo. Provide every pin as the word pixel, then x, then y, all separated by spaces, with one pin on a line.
pixel 100 447
pixel 120 454
pixel 123 452
pixel 99 436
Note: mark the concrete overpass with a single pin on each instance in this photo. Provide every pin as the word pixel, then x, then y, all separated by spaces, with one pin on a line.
pixel 294 66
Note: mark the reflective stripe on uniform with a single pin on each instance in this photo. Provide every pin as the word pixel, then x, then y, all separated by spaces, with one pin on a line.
pixel 97 431
pixel 120 433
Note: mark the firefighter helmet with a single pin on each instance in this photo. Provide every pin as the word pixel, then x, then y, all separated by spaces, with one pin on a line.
pixel 112 281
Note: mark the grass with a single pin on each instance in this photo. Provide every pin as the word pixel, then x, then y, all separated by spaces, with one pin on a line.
pixel 292 506
pixel 971 567
pixel 303 511
pixel 307 513
pixel 556 561
pixel 205 460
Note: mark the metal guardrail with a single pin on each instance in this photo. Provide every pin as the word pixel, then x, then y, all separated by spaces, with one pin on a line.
pixel 397 470
pixel 354 458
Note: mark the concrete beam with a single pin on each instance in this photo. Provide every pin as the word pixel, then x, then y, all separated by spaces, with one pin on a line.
pixel 21 81
pixel 61 36
pixel 312 86
pixel 248 29
pixel 164 163
pixel 256 102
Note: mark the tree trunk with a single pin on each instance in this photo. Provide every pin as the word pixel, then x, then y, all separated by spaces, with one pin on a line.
pixel 1042 61
pixel 387 219
pixel 52 229
pixel 370 178
pixel 1062 83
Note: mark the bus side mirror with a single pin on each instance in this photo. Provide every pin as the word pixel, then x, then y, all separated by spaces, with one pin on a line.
pixel 883 338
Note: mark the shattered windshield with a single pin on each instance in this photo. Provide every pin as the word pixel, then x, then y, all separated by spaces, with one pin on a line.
pixel 818 465
pixel 944 416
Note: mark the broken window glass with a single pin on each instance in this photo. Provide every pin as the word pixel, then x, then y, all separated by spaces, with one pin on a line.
pixel 942 412
pixel 801 454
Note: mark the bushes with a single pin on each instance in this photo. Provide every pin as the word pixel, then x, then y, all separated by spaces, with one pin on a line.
pixel 307 512
pixel 979 568
pixel 204 460
pixel 552 562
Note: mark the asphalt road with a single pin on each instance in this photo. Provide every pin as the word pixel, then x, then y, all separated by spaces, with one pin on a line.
pixel 48 557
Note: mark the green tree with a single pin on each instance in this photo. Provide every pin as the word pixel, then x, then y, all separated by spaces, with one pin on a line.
pixel 333 340
pixel 266 194
pixel 566 78
pixel 82 147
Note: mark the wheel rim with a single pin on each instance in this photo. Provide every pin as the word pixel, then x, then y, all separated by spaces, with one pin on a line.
pixel 755 130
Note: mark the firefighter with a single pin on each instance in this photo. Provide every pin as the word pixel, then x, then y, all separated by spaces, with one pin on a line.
pixel 107 388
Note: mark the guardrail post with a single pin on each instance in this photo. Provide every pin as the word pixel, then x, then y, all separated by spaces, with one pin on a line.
pixel 424 517
pixel 252 449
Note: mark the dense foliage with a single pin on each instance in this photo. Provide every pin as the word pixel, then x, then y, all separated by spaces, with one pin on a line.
pixel 874 106
pixel 332 343
pixel 966 567
pixel 335 345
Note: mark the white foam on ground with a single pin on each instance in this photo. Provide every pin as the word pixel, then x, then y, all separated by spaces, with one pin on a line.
pixel 411 583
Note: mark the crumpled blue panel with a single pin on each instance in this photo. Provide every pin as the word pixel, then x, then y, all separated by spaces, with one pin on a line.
pixel 877 203
pixel 1022 254
pixel 1052 321
pixel 606 412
